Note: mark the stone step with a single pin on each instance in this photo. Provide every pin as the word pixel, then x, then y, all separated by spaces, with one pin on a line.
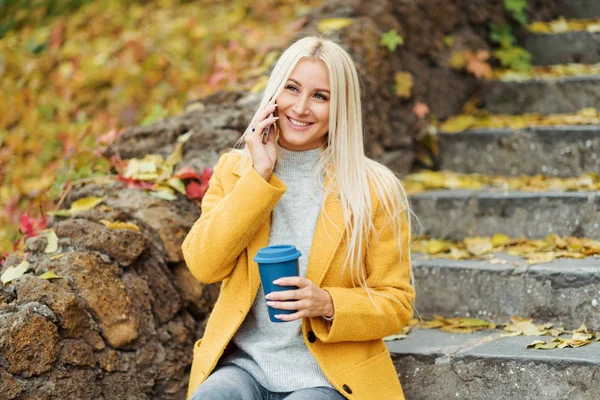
pixel 578 9
pixel 564 291
pixel 579 47
pixel 544 96
pixel 563 151
pixel 455 214
pixel 435 365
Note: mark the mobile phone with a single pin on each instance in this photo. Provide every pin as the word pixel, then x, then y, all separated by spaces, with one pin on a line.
pixel 265 134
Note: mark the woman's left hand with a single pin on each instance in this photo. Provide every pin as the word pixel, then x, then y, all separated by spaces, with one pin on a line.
pixel 311 300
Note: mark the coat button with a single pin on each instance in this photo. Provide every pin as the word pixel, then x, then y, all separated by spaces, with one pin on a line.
pixel 347 389
pixel 311 336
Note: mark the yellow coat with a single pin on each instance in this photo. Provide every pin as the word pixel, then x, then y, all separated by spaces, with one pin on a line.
pixel 221 246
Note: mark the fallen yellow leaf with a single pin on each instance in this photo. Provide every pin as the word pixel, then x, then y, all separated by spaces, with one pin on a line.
pixel 176 155
pixel 52 245
pixel 404 84
pixel 333 24
pixel 435 246
pixel 86 203
pixel 523 325
pixel 13 273
pixel 177 184
pixel 499 239
pixel 537 258
pixel 458 254
pixel 50 275
pixel 163 193
pixel 478 245
pixel 120 225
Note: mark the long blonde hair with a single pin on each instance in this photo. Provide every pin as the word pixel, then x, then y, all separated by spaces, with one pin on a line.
pixel 352 175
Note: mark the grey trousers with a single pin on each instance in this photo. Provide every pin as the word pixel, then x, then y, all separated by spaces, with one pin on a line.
pixel 230 382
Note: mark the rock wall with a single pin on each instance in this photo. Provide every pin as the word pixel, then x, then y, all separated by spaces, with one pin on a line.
pixel 122 321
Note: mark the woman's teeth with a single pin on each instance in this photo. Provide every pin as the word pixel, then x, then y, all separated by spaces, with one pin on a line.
pixel 298 123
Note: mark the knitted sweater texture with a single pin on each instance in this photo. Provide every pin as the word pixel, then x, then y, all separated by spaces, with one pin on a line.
pixel 275 353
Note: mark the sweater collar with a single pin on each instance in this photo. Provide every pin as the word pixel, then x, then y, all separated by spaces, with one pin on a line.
pixel 296 163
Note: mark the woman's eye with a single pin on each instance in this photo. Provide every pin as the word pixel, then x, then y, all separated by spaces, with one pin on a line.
pixel 320 96
pixel 292 88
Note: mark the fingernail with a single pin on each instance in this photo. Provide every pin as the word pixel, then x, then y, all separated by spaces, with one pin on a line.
pixel 269 296
pixel 269 303
pixel 276 281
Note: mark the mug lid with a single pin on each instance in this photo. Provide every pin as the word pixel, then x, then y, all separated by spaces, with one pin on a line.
pixel 276 254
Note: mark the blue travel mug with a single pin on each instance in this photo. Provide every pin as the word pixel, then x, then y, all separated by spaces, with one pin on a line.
pixel 276 262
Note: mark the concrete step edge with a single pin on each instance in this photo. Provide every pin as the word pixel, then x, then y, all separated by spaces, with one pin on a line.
pixel 540 80
pixel 561 95
pixel 545 129
pixel 578 9
pixel 561 48
pixel 455 214
pixel 499 194
pixel 564 292
pixel 436 365
pixel 487 344
pixel 557 151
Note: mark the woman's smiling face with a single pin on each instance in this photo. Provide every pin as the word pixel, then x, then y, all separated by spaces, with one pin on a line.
pixel 303 107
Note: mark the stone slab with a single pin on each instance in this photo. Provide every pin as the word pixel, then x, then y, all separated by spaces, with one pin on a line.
pixel 563 151
pixel 544 96
pixel 432 344
pixel 435 365
pixel 565 291
pixel 579 9
pixel 580 47
pixel 455 214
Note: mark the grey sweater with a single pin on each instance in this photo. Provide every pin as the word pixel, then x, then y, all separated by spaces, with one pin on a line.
pixel 275 353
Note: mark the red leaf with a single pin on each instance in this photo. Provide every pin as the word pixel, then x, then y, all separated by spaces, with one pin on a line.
pixel 194 190
pixel 187 173
pixel 136 183
pixel 30 226
pixel 206 174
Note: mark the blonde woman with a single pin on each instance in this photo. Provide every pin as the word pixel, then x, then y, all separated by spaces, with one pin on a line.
pixel 312 186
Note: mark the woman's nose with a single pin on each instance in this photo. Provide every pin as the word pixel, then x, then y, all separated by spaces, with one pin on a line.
pixel 301 105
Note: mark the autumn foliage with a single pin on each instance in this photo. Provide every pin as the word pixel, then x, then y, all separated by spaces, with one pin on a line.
pixel 73 78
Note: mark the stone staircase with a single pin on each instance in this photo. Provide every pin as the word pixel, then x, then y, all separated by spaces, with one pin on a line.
pixel 436 365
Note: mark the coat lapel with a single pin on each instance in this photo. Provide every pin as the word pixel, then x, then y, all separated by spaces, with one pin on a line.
pixel 328 236
pixel 260 240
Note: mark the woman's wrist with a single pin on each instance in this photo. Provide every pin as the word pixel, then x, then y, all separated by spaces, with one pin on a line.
pixel 329 311
pixel 266 174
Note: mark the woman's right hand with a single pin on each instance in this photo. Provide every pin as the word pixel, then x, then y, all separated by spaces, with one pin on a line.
pixel 263 155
